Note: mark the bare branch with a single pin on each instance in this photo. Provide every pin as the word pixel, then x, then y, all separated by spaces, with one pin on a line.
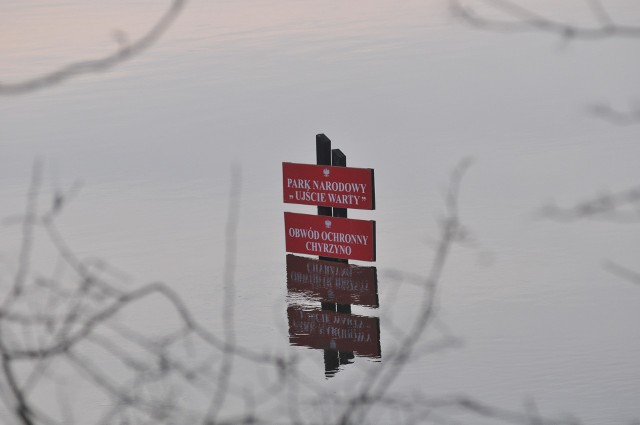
pixel 124 53
pixel 27 235
pixel 616 116
pixel 155 375
pixel 621 207
pixel 228 319
pixel 623 272
pixel 523 19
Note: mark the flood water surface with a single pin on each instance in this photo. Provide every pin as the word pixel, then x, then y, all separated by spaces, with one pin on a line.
pixel 171 164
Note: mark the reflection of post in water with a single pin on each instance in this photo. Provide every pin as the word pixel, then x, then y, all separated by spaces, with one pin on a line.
pixel 333 359
pixel 331 363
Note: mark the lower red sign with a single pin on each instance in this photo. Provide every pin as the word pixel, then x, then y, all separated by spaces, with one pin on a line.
pixel 328 330
pixel 333 282
pixel 332 237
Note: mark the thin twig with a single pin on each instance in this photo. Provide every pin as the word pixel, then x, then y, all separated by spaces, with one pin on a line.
pixel 228 299
pixel 523 19
pixel 124 53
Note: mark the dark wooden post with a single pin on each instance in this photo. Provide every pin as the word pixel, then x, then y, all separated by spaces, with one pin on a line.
pixel 339 159
pixel 323 157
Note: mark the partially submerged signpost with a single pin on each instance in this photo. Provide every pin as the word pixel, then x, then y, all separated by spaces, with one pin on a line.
pixel 333 188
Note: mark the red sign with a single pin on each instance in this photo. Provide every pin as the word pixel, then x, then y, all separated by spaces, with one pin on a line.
pixel 340 187
pixel 333 282
pixel 332 237
pixel 329 330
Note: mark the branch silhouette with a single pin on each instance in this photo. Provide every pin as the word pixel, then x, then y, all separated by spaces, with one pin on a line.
pixel 620 207
pixel 72 323
pixel 520 19
pixel 125 52
pixel 48 323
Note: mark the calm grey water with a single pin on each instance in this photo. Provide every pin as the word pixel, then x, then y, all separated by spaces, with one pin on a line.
pixel 403 88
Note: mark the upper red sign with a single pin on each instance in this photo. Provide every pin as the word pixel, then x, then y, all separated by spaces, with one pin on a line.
pixel 333 237
pixel 323 185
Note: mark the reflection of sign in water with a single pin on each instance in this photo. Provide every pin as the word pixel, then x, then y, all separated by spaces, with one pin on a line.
pixel 333 282
pixel 329 330
pixel 330 236
pixel 340 187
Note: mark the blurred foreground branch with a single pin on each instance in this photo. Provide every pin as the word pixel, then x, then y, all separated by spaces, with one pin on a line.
pixel 513 17
pixel 519 18
pixel 621 207
pixel 75 328
pixel 125 52
pixel 77 322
